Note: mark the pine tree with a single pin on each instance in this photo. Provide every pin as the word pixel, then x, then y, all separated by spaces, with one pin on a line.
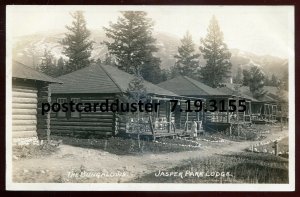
pixel 274 81
pixel 246 77
pixel 239 77
pixel 186 59
pixel 32 52
pixel 254 78
pixel 267 81
pixel 285 80
pixel 216 54
pixel 47 64
pixel 60 67
pixel 108 59
pixel 133 45
pixel 77 46
pixel 137 92
pixel 151 71
pixel 174 72
pixel 136 89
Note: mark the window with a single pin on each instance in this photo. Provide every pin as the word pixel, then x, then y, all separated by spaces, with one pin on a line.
pixel 60 113
pixel 75 114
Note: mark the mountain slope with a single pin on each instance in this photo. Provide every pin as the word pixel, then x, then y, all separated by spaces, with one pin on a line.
pixel 29 50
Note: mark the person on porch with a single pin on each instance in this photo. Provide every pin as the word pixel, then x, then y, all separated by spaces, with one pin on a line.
pixel 194 129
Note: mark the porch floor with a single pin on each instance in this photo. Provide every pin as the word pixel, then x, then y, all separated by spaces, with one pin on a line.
pixel 263 121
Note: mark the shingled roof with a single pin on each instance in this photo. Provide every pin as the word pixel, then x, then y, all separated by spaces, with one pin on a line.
pixel 229 88
pixel 270 96
pixel 186 86
pixel 272 92
pixel 22 71
pixel 102 79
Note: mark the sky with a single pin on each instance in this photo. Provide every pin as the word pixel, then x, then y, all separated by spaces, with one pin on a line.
pixel 264 30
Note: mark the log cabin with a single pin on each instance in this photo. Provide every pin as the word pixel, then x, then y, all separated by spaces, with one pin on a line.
pixel 281 99
pixel 30 89
pixel 212 121
pixel 96 84
pixel 267 108
pixel 235 89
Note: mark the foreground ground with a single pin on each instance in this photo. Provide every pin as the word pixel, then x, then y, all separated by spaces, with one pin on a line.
pixel 71 163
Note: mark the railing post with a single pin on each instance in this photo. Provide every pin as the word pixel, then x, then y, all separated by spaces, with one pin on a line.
pixel 169 116
pixel 276 147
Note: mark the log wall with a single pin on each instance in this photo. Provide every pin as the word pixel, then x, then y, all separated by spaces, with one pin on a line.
pixel 27 119
pixel 24 110
pixel 43 121
pixel 97 124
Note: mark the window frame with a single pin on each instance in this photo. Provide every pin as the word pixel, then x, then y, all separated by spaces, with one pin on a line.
pixel 79 113
pixel 57 113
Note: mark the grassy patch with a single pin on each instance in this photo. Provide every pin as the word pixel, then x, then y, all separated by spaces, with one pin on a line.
pixel 122 146
pixel 283 147
pixel 246 132
pixel 243 168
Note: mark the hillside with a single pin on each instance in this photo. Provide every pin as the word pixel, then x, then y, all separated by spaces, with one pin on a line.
pixel 29 50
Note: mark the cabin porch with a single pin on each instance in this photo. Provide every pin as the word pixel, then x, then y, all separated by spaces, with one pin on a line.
pixel 264 113
pixel 164 122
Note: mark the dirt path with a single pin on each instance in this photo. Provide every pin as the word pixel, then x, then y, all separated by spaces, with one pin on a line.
pixel 58 167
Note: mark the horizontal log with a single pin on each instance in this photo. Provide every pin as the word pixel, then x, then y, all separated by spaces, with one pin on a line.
pixel 43 99
pixel 43 93
pixel 99 124
pixel 43 118
pixel 52 115
pixel 65 132
pixel 24 94
pixel 44 88
pixel 24 100
pixel 84 99
pixel 24 128
pixel 24 89
pixel 103 133
pixel 43 121
pixel 86 117
pixel 24 122
pixel 24 117
pixel 24 106
pixel 24 112
pixel 81 119
pixel 97 112
pixel 98 115
pixel 80 128
pixel 96 101
pixel 96 97
pixel 93 132
pixel 43 126
pixel 24 134
pixel 88 114
pixel 55 131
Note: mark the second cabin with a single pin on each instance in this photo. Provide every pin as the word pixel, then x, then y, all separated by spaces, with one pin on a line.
pixel 99 83
pixel 219 119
